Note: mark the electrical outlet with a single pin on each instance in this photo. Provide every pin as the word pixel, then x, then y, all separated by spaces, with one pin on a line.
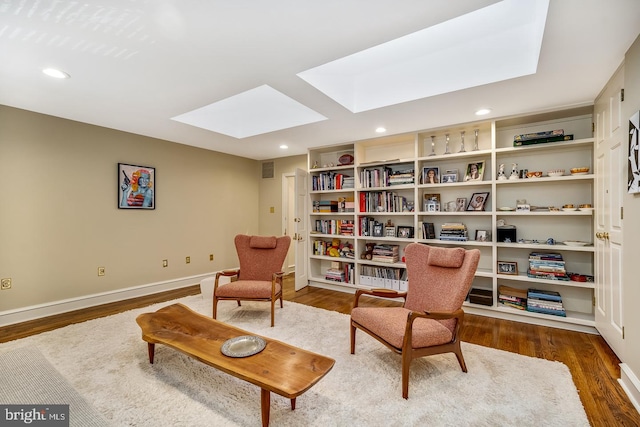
pixel 5 284
pixel 165 263
pixel 101 271
pixel 210 257
pixel 188 259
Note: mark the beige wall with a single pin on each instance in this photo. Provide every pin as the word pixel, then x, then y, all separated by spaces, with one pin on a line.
pixel 631 272
pixel 271 194
pixel 59 219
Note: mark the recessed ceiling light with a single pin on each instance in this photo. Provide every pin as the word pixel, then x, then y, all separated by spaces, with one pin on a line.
pixel 381 130
pixel 483 112
pixel 284 146
pixel 52 72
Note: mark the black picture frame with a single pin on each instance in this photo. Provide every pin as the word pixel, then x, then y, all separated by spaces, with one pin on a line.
pixel 405 231
pixel 508 267
pixel 136 187
pixel 477 201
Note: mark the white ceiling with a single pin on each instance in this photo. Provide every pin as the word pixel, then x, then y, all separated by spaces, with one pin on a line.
pixel 136 64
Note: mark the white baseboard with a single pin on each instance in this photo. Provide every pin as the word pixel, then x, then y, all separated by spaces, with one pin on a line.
pixel 23 314
pixel 630 384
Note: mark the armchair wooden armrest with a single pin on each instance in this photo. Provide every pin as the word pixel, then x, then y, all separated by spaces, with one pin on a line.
pixel 378 292
pixel 226 273
pixel 442 315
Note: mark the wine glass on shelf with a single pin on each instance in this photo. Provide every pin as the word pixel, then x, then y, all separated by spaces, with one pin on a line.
pixel 462 150
pixel 446 146
pixel 433 145
pixel 475 143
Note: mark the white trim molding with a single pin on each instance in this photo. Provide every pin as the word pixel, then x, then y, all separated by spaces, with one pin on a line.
pixel 630 384
pixel 24 314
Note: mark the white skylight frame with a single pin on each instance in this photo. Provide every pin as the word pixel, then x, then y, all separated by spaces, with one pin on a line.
pixel 499 42
pixel 253 112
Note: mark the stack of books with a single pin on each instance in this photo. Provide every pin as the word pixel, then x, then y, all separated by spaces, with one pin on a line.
pixel 547 266
pixel 456 231
pixel 541 137
pixel 400 177
pixel 512 297
pixel 546 302
pixel 334 274
pixel 386 253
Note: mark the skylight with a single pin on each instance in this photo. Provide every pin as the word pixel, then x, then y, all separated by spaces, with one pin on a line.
pixel 499 42
pixel 251 113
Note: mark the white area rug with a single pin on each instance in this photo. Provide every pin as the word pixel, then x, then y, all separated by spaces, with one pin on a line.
pixel 106 361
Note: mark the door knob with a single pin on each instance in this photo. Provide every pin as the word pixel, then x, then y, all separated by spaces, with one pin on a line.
pixel 605 235
pixel 599 235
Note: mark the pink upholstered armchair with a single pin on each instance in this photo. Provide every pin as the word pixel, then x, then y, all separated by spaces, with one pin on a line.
pixel 431 317
pixel 260 275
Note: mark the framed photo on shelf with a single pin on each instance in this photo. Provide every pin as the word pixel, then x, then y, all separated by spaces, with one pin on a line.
pixel 475 171
pixel 449 177
pixel 136 187
pixel 477 201
pixel 483 236
pixel 405 231
pixel 507 267
pixel 378 230
pixel 431 202
pixel 461 203
pixel 430 175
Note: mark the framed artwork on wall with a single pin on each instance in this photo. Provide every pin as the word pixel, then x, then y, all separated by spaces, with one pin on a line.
pixel 633 176
pixel 136 187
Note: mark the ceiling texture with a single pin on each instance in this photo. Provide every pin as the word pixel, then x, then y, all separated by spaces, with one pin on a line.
pixel 244 77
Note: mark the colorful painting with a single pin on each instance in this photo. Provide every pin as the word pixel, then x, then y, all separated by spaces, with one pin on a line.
pixel 136 187
pixel 634 159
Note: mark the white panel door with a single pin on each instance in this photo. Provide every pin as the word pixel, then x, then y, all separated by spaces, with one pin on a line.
pixel 610 163
pixel 300 236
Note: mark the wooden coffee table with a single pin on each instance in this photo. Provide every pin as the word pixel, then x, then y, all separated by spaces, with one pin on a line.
pixel 280 368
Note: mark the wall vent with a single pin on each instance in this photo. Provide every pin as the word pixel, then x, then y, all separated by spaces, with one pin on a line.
pixel 268 170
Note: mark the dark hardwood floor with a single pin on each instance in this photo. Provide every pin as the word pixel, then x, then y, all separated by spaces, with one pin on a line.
pixel 595 368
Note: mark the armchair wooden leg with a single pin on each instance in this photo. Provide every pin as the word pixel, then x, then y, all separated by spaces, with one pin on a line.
pixel 273 306
pixel 353 339
pixel 458 353
pixel 406 363
pixel 215 307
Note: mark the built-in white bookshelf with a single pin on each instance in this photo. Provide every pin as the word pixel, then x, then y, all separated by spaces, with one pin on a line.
pixel 404 202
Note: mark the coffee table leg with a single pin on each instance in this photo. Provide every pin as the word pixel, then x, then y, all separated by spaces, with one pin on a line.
pixel 151 347
pixel 265 406
pixel 293 404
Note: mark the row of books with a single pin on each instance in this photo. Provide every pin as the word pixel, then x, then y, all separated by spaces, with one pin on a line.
pixel 426 230
pixel 384 201
pixel 541 137
pixel 532 300
pixel 343 227
pixel 331 181
pixel 455 231
pixel 385 177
